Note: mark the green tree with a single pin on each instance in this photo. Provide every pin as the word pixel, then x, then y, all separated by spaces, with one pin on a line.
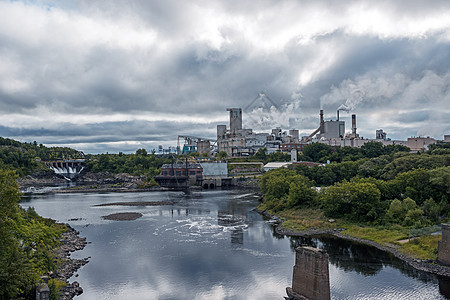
pixel 416 184
pixel 285 188
pixel 277 156
pixel 13 263
pixel 373 167
pixel 261 154
pixel 317 152
pixel 26 241
pixel 372 149
pixel 432 210
pixel 395 211
pixel 142 152
pixel 413 217
pixel 359 202
pixel 300 192
pixel 222 155
pixel 405 212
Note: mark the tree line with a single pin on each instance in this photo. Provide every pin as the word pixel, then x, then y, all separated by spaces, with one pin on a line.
pixel 26 242
pixel 394 188
pixel 27 158
pixel 140 163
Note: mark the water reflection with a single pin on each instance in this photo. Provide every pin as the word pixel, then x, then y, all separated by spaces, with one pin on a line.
pixel 211 245
pixel 444 286
pixel 366 260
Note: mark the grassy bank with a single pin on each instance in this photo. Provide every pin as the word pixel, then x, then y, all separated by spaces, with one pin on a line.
pixel 307 219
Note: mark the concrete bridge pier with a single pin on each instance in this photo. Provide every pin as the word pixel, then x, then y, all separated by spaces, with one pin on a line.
pixel 311 279
pixel 444 246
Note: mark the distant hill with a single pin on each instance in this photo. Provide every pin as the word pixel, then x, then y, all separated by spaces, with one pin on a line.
pixel 25 158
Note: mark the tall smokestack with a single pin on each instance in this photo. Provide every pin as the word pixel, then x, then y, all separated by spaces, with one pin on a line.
pixel 321 121
pixel 354 125
pixel 235 119
pixel 342 107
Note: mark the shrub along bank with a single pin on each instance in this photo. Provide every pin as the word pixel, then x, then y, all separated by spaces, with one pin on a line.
pixel 409 191
pixel 26 242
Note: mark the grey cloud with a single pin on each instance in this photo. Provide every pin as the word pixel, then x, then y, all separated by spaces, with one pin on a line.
pixel 185 75
pixel 415 116
pixel 110 132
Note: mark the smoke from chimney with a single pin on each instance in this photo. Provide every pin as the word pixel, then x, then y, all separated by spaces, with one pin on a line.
pixel 343 107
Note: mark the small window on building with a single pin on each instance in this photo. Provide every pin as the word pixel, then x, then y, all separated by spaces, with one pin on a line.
pixel 191 172
pixel 178 173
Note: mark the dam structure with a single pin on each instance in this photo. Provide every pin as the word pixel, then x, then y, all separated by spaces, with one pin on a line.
pixel 67 168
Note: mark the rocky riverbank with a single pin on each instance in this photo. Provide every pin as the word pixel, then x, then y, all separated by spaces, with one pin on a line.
pixel 70 242
pixel 87 182
pixel 248 182
pixel 40 179
pixel 428 266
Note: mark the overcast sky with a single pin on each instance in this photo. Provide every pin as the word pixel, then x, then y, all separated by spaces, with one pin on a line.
pixel 110 76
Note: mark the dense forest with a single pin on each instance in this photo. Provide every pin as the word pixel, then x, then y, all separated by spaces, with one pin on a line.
pixel 372 185
pixel 140 163
pixel 26 243
pixel 26 159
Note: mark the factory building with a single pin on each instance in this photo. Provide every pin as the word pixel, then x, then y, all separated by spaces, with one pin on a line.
pixel 294 134
pixel 380 135
pixel 237 141
pixel 232 145
pixel 256 140
pixel 332 129
pixel 420 143
pixel 235 120
pixel 331 133
pixel 232 141
pixel 327 129
pixel 215 175
pixel 288 147
pixel 180 175
pixel 194 144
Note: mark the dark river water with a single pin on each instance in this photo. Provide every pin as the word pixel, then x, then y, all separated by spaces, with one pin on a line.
pixel 212 245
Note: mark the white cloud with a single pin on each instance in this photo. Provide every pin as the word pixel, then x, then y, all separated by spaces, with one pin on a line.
pixel 117 61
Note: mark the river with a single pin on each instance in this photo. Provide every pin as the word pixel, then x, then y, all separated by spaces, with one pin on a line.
pixel 212 245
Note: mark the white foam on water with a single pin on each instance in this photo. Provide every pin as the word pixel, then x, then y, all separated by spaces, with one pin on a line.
pixel 258 253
